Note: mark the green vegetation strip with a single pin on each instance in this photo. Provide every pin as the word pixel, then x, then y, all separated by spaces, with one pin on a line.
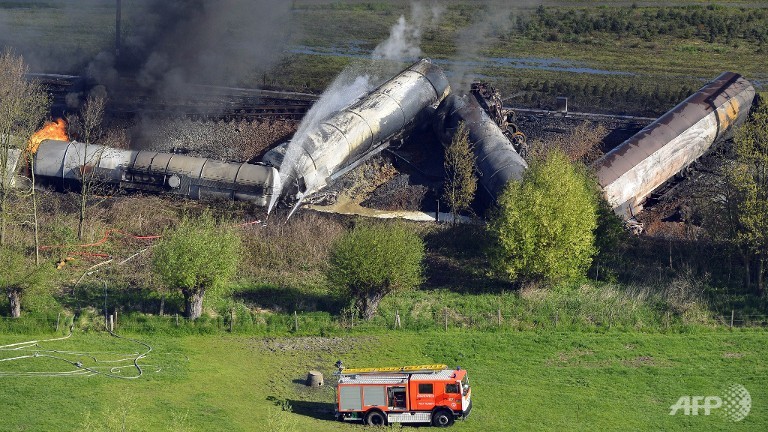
pixel 521 381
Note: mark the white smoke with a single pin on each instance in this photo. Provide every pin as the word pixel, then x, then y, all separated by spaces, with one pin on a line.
pixel 404 42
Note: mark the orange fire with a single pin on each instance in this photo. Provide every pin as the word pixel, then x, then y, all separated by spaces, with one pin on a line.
pixel 56 130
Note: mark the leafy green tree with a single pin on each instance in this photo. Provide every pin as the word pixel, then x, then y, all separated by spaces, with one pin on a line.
pixel 195 257
pixel 374 260
pixel 460 179
pixel 544 225
pixel 750 177
pixel 19 275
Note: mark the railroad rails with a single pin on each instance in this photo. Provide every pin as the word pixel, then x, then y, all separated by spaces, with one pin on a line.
pixel 197 102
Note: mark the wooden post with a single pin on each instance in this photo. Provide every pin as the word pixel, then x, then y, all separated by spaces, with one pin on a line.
pixel 498 316
pixel 177 320
pixel 115 323
pixel 295 321
pixel 231 318
pixel 732 312
pixel 111 323
pixel 445 313
pixel 58 317
pixel 397 318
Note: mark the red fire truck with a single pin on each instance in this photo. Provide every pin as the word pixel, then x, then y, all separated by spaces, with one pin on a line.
pixel 409 394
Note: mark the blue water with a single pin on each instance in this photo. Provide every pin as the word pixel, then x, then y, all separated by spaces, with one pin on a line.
pixel 354 50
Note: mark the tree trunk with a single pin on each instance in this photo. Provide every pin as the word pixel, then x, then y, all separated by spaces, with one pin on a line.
pixel 194 303
pixel 760 278
pixel 14 296
pixel 368 304
pixel 34 210
pixel 747 265
pixel 3 213
pixel 83 202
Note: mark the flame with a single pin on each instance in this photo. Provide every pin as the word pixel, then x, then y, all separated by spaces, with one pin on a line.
pixel 56 130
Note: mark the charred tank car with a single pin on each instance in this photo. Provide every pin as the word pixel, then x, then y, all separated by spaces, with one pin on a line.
pixel 634 169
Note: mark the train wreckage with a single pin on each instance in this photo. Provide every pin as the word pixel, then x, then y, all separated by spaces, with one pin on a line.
pixel 420 94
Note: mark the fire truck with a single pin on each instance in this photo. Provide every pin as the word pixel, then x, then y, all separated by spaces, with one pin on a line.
pixel 409 394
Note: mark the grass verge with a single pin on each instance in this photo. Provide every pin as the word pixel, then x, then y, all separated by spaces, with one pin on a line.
pixel 521 381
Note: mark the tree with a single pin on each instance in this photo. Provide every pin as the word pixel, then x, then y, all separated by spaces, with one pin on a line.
pixel 544 225
pixel 460 179
pixel 23 105
pixel 195 257
pixel 91 117
pixel 18 276
pixel 750 178
pixel 374 260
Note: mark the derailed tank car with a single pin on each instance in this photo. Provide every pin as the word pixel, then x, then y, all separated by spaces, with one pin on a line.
pixel 62 163
pixel 634 169
pixel 355 131
pixel 497 161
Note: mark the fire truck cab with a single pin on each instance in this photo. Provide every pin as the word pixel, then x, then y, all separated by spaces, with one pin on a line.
pixel 410 394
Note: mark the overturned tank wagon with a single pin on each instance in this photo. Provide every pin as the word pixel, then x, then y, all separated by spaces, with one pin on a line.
pixel 629 173
pixel 61 164
pixel 364 127
pixel 497 161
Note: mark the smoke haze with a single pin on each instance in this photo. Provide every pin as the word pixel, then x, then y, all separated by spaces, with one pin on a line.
pixel 493 19
pixel 404 42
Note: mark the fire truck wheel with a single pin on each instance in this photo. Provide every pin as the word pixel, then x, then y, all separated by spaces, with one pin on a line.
pixel 375 418
pixel 442 418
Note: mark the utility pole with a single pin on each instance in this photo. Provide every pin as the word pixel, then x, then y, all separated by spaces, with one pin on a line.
pixel 118 12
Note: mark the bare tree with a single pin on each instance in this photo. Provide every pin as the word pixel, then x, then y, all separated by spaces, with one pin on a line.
pixel 91 118
pixel 23 105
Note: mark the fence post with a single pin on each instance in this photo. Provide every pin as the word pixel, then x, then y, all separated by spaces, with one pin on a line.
pixel 498 316
pixel 231 318
pixel 445 314
pixel 177 320
pixel 295 321
pixel 58 317
pixel 732 312
pixel 397 318
pixel 111 323
pixel 115 323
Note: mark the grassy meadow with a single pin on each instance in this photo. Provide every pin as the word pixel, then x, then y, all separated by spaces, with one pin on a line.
pixel 521 380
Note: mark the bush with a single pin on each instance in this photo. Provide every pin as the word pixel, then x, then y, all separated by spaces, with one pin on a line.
pixel 544 226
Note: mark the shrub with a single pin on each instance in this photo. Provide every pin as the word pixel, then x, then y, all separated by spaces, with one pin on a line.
pixel 544 225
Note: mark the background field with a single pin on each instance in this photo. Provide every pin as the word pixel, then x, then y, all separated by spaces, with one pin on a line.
pixel 521 381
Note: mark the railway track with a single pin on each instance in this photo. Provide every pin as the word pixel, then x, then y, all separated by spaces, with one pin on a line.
pixel 199 102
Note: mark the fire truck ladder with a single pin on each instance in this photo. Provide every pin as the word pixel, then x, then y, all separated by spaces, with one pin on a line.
pixel 395 369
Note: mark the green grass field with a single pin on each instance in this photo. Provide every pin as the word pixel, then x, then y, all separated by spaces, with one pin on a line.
pixel 521 380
